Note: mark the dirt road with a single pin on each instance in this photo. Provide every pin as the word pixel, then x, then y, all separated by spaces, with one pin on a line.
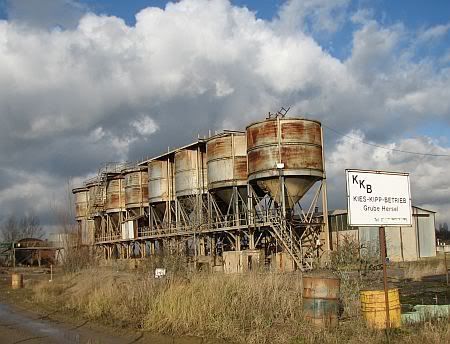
pixel 18 324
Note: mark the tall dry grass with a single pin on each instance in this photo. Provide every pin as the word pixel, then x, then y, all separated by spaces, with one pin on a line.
pixel 234 307
pixel 252 308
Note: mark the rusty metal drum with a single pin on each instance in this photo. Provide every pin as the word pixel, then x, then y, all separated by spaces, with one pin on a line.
pixel 81 202
pixel 321 300
pixel 115 193
pixel 190 171
pixel 136 187
pixel 291 147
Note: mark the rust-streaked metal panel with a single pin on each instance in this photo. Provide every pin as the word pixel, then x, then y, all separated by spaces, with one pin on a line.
pixel 295 142
pixel 136 187
pixel 160 181
pixel 294 157
pixel 227 160
pixel 93 192
pixel 81 202
pixel 190 171
pixel 115 194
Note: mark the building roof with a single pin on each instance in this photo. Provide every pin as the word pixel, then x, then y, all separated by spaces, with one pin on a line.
pixel 193 144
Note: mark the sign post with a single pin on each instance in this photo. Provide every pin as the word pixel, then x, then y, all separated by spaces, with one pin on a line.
pixel 382 236
pixel 379 199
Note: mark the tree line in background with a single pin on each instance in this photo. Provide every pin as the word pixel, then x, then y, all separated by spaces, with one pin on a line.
pixel 28 226
pixel 442 232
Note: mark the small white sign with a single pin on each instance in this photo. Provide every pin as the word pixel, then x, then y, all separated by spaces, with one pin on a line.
pixel 377 198
pixel 160 272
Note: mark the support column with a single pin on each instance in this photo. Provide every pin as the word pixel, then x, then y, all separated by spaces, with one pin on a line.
pixel 201 246
pixel 238 241
pixel 251 239
pixel 326 228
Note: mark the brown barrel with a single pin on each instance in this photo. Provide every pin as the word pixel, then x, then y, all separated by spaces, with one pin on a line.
pixel 321 300
pixel 16 281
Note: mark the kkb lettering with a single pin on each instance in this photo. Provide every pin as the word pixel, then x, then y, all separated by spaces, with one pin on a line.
pixel 361 184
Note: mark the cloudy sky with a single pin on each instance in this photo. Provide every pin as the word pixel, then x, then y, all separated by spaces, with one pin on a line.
pixel 86 82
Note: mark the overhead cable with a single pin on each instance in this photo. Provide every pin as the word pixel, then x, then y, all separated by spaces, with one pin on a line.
pixel 383 147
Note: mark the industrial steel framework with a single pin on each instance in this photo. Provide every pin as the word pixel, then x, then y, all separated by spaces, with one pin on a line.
pixel 203 225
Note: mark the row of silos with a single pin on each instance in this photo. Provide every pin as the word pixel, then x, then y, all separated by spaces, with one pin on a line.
pixel 222 164
pixel 127 190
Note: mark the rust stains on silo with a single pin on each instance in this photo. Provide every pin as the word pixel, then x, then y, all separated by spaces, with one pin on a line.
pixel 115 193
pixel 81 202
pixel 227 160
pixel 160 181
pixel 190 170
pixel 288 146
pixel 136 187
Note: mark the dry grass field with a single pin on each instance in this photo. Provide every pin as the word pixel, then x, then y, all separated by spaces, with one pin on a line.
pixel 250 308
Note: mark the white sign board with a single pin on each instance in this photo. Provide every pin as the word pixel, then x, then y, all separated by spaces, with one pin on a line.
pixel 378 198
pixel 160 272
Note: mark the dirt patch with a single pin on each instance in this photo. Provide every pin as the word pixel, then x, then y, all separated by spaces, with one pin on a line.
pixel 22 321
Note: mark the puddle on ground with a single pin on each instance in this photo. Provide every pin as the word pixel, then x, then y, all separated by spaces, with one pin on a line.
pixel 38 329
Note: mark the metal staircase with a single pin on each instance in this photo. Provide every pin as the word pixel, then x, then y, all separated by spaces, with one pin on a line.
pixel 302 251
pixel 100 192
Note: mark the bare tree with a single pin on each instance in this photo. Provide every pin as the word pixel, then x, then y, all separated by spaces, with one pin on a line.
pixel 28 226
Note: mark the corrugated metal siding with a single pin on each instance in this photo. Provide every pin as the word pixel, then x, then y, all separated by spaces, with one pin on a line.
pixel 409 243
pixel 403 244
pixel 426 233
pixel 393 244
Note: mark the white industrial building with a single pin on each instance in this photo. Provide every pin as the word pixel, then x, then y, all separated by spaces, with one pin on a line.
pixel 406 243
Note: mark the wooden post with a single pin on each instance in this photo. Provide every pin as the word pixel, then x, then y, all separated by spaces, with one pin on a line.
pixel 382 239
pixel 446 266
pixel 14 254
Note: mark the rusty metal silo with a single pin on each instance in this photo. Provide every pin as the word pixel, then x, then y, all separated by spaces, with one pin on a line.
pixel 136 187
pixel 290 148
pixel 81 202
pixel 160 192
pixel 190 171
pixel 115 193
pixel 227 164
pixel 96 197
pixel 160 181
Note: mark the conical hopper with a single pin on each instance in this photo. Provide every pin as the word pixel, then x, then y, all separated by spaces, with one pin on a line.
pixel 226 194
pixel 288 147
pixel 295 188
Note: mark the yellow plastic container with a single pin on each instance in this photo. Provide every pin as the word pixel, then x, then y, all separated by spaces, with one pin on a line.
pixel 373 307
